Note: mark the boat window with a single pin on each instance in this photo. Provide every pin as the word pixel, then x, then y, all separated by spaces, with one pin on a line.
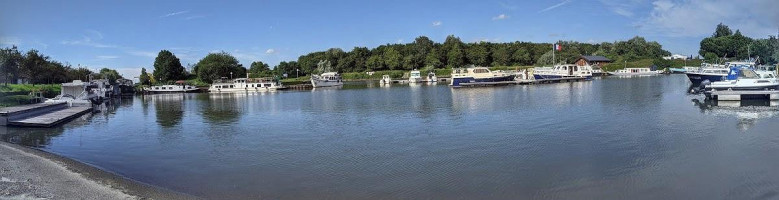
pixel 266 85
pixel 745 73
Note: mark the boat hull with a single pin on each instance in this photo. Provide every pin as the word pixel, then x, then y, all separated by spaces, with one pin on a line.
pixel 458 80
pixel 634 74
pixel 325 83
pixel 697 78
pixel 171 91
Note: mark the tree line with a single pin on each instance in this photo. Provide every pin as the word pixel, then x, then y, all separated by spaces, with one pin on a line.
pixel 724 43
pixel 35 68
pixel 421 53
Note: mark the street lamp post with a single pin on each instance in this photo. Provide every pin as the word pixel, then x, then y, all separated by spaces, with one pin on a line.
pixel 297 71
pixel 231 75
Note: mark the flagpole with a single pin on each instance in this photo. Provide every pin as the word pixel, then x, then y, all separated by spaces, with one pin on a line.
pixel 554 48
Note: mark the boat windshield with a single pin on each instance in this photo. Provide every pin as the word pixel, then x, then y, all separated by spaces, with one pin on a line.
pixel 745 73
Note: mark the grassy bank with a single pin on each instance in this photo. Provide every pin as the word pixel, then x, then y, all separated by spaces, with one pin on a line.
pixel 18 94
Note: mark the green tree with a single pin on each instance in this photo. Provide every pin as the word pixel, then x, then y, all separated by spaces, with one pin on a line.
pixel 144 77
pixel 477 54
pixel 501 56
pixel 81 73
pixel 432 59
pixel 722 31
pixel 392 59
pixel 110 74
pixel 454 52
pixel 33 64
pixel 218 65
pixel 167 67
pixel 375 62
pixel 259 69
pixel 522 57
pixel 10 59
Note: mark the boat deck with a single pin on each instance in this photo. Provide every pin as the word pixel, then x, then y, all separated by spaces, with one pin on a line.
pixel 22 108
pixel 522 82
pixel 52 118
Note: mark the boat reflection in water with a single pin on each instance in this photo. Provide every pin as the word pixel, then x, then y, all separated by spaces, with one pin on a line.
pixel 747 111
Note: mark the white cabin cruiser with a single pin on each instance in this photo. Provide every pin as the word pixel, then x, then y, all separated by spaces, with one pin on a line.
pixel 431 77
pixel 744 79
pixel 478 74
pixel 635 72
pixel 246 85
pixel 385 79
pixel 415 76
pixel 78 93
pixel 326 79
pixel 563 71
pixel 179 87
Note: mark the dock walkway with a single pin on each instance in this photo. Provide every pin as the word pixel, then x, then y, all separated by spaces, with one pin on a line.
pixel 40 115
pixel 726 95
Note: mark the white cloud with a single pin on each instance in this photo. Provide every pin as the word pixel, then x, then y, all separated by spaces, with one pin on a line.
pixel 90 38
pixel 107 57
pixel 175 13
pixel 270 51
pixel 400 41
pixel 194 17
pixel 626 8
pixel 148 54
pixel 756 18
pixel 437 23
pixel 555 6
pixel 10 41
pixel 500 17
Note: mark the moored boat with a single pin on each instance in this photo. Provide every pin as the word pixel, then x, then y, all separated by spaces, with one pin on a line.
pixel 478 74
pixel 714 72
pixel 246 85
pixel 415 76
pixel 385 79
pixel 634 72
pixel 431 77
pixel 326 79
pixel 563 71
pixel 744 79
pixel 179 87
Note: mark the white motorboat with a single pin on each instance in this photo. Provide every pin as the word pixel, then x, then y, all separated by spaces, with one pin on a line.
pixel 634 72
pixel 81 93
pixel 563 71
pixel 326 79
pixel 744 79
pixel 246 85
pixel 179 87
pixel 385 79
pixel 415 76
pixel 431 77
pixel 714 72
pixel 478 74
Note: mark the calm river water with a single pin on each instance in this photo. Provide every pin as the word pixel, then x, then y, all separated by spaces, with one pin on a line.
pixel 610 138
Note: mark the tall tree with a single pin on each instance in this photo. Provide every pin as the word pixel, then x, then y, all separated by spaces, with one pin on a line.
pixel 144 77
pixel 722 31
pixel 392 59
pixel 218 65
pixel 10 59
pixel 167 67
pixel 259 69
pixel 454 52
pixel 33 64
pixel 110 74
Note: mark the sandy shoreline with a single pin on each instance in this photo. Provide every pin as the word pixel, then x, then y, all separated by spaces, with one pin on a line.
pixel 27 173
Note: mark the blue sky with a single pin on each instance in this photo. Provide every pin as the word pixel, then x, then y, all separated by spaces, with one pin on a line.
pixel 127 35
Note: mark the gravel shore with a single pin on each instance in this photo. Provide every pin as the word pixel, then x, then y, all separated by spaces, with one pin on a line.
pixel 27 173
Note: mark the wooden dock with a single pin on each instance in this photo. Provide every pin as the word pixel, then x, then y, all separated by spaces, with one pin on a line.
pixel 40 115
pixel 52 118
pixel 726 95
pixel 523 82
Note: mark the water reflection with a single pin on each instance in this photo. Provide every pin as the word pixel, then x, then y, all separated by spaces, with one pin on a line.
pixel 746 111
pixel 169 108
pixel 223 108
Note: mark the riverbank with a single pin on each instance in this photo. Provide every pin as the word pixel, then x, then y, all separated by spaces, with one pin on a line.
pixel 27 173
pixel 19 94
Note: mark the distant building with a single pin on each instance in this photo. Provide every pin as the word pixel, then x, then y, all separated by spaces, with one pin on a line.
pixel 676 57
pixel 595 61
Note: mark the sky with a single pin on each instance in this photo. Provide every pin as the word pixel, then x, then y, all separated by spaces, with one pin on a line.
pixel 127 35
